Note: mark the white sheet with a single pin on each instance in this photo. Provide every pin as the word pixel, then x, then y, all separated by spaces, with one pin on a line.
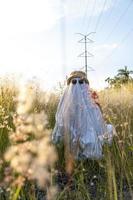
pixel 79 120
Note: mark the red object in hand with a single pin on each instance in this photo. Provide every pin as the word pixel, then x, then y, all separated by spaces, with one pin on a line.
pixel 94 95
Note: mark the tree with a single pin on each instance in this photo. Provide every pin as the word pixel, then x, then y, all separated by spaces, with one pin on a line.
pixel 122 77
pixel 124 74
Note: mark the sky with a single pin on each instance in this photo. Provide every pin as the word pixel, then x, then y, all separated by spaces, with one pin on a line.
pixel 38 38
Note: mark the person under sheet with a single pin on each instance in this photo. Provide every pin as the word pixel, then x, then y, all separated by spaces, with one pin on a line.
pixel 79 120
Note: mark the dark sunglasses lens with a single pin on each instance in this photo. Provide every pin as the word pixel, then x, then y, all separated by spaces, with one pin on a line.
pixel 74 81
pixel 81 81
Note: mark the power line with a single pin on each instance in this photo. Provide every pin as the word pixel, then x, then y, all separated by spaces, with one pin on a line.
pixel 90 17
pixel 112 9
pixel 126 36
pixel 100 16
pixel 110 13
pixel 85 12
pixel 118 21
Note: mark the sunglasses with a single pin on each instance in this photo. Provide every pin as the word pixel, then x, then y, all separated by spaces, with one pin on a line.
pixel 80 81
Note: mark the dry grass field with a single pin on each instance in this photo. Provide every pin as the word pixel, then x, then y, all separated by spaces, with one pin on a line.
pixel 31 166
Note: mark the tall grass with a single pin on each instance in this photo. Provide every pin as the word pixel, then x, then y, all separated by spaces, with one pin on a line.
pixel 8 92
pixel 110 178
pixel 28 155
pixel 117 104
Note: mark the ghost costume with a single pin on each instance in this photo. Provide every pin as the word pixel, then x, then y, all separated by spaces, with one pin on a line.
pixel 79 119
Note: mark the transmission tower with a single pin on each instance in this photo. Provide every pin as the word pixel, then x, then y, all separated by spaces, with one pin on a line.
pixel 86 54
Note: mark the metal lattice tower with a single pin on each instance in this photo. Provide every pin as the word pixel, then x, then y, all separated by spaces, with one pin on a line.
pixel 86 54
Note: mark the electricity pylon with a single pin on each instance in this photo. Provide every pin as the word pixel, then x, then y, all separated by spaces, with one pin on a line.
pixel 86 54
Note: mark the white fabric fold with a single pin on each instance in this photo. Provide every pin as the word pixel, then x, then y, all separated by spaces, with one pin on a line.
pixel 79 120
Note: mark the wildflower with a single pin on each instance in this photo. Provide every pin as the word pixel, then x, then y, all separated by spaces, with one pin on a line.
pixel 25 100
pixel 1 161
pixel 51 193
pixel 31 155
pixel 125 124
pixel 91 183
pixel 19 181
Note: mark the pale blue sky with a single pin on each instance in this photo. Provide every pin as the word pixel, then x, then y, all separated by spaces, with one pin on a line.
pixel 37 38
